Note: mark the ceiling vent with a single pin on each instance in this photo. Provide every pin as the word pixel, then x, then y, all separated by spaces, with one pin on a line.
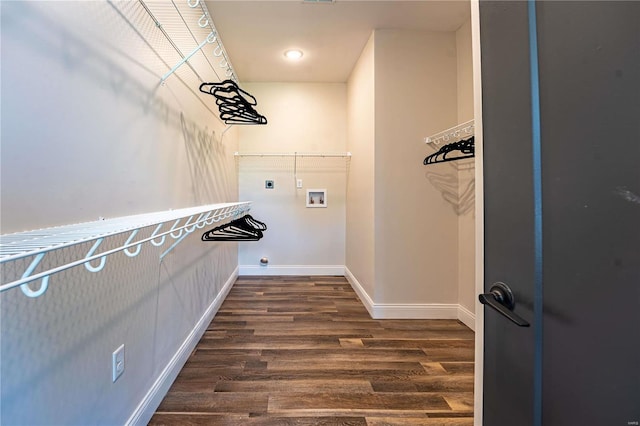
pixel 318 1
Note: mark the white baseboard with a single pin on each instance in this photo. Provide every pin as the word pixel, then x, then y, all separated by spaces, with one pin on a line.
pixel 292 270
pixel 417 311
pixel 467 317
pixel 147 407
pixel 410 310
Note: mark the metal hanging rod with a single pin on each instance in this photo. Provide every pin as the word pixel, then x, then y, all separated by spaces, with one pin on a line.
pixel 38 243
pixel 293 154
pixel 205 21
pixel 452 134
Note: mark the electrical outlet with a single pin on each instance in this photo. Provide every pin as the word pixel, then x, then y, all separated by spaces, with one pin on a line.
pixel 117 363
pixel 299 183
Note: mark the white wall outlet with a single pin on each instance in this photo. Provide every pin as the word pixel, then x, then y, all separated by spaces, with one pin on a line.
pixel 299 183
pixel 117 363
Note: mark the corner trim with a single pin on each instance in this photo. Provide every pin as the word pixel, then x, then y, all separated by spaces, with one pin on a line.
pixel 255 270
pixel 151 401
pixel 360 291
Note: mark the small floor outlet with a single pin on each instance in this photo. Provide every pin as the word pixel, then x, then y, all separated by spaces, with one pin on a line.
pixel 117 362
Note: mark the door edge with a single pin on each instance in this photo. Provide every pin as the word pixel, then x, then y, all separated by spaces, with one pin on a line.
pixel 479 212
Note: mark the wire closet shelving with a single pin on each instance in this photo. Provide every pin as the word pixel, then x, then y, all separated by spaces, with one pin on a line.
pixel 199 29
pixel 185 26
pixel 38 243
pixel 183 42
pixel 453 134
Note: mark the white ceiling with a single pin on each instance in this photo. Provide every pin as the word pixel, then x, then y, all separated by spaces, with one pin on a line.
pixel 256 33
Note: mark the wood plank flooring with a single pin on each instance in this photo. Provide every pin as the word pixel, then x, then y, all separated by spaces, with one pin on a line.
pixel 304 351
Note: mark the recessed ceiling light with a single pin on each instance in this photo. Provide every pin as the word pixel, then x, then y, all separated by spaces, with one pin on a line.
pixel 293 54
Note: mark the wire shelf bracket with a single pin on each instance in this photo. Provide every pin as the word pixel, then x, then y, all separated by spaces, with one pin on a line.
pixel 39 243
pixel 211 38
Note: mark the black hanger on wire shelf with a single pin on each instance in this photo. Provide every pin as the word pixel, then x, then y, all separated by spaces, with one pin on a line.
pixel 452 151
pixel 245 228
pixel 236 106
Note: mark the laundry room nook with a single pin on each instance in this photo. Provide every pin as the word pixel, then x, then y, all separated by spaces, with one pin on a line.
pixel 151 174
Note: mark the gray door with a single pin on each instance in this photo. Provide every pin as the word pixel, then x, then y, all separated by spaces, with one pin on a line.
pixel 562 212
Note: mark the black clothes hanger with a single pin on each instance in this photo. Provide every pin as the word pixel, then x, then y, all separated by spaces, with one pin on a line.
pixel 228 89
pixel 236 106
pixel 245 228
pixel 466 147
pixel 255 223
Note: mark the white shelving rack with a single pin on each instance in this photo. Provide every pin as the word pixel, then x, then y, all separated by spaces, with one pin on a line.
pixel 453 134
pixel 38 243
pixel 191 39
pixel 204 34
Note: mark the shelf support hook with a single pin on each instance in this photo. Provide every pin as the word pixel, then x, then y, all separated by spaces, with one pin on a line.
pixel 193 228
pixel 43 285
pixel 103 259
pixel 206 21
pixel 174 227
pixel 138 247
pixel 203 220
pixel 153 241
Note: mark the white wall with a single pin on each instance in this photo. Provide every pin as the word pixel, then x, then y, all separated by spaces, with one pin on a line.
pixel 464 69
pixel 361 192
pixel 422 263
pixel 416 230
pixel 302 117
pixel 87 131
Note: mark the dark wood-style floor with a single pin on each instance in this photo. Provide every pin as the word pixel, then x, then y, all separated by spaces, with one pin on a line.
pixel 304 351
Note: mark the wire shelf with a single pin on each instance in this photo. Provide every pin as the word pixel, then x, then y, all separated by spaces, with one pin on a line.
pixel 192 32
pixel 454 134
pixel 39 242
